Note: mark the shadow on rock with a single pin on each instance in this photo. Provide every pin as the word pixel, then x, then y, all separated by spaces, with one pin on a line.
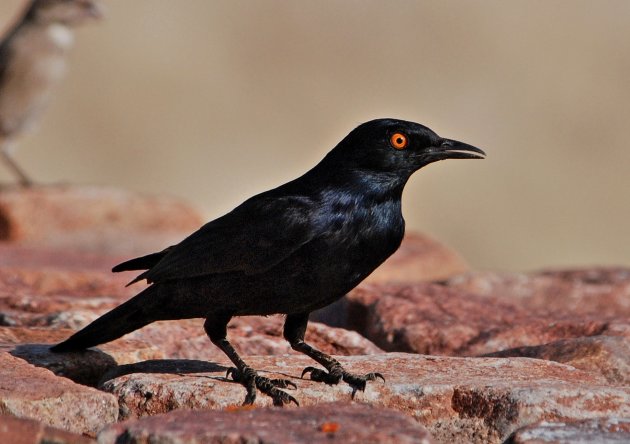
pixel 85 367
pixel 165 366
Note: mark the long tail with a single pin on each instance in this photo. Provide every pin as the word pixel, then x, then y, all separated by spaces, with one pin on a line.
pixel 127 317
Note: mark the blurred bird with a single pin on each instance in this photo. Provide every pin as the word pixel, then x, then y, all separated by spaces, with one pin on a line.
pixel 290 250
pixel 32 61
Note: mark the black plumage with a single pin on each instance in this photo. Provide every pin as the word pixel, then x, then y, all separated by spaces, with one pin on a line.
pixel 290 250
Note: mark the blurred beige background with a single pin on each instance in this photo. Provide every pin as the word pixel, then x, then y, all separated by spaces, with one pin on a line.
pixel 216 101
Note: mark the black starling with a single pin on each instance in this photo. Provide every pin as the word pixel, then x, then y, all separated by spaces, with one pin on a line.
pixel 290 250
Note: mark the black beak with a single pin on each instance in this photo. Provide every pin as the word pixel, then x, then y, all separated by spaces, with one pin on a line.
pixel 452 149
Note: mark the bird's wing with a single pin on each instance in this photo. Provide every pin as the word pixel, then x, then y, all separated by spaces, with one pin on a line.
pixel 143 262
pixel 251 239
pixel 5 54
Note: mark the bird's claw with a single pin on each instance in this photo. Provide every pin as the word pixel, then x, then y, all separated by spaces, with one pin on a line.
pixel 309 370
pixel 319 375
pixel 373 376
pixel 233 373
pixel 283 383
pixel 367 377
pixel 270 387
pixel 357 382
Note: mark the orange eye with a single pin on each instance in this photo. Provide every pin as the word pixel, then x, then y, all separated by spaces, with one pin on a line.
pixel 399 141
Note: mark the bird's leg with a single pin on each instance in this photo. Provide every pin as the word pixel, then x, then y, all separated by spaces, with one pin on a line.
pixel 216 329
pixel 6 149
pixel 294 330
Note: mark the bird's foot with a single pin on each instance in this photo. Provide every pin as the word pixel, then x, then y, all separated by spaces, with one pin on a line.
pixel 336 373
pixel 270 387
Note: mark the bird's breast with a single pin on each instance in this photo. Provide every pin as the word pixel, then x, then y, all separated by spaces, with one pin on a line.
pixel 353 240
pixel 361 235
pixel 37 62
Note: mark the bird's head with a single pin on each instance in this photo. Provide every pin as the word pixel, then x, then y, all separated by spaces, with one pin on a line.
pixel 65 12
pixel 398 147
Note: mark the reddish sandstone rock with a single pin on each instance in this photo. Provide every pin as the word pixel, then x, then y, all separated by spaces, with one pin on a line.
pixel 36 291
pixel 42 287
pixel 250 335
pixel 44 278
pixel 59 311
pixel 457 399
pixel 603 292
pixel 27 391
pixel 170 339
pixel 93 219
pixel 602 430
pixel 338 341
pixel 419 258
pixel 486 312
pixel 343 423
pixel 26 431
pixel 32 345
pixel 186 339
pixel 42 257
pixel 605 355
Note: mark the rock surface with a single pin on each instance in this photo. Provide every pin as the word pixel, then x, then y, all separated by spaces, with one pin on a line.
pixel 604 292
pixel 96 219
pixel 487 312
pixel 67 290
pixel 32 345
pixel 186 339
pixel 27 431
pixel 43 287
pixel 419 258
pixel 344 423
pixel 606 355
pixel 31 392
pixel 601 431
pixel 456 399
pixel 581 316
